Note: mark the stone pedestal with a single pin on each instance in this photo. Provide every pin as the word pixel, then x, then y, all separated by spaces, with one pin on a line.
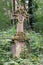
pixel 19 38
pixel 18 44
pixel 17 48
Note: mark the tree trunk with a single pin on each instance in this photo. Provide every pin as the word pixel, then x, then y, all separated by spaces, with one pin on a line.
pixel 31 13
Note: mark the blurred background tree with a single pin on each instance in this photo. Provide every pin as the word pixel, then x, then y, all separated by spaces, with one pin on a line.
pixel 38 16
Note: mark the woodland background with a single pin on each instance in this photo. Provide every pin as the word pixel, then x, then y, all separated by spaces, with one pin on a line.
pixel 33 29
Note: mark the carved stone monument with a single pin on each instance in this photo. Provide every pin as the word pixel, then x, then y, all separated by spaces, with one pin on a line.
pixel 20 36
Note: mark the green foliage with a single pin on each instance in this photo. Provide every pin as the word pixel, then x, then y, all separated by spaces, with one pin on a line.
pixel 31 58
pixel 38 16
pixel 36 40
pixel 4 18
pixel 34 45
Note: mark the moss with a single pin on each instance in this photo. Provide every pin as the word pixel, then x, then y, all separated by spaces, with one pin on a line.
pixel 20 36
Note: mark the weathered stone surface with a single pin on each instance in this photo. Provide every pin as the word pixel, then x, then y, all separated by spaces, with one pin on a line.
pixel 19 27
pixel 17 48
pixel 20 36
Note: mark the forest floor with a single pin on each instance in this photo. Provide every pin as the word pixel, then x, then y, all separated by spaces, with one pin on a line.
pixel 35 56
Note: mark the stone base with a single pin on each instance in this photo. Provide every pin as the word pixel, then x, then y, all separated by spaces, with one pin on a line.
pixel 18 43
pixel 17 48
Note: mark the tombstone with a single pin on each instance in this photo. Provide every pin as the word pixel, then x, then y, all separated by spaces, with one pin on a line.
pixel 19 43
